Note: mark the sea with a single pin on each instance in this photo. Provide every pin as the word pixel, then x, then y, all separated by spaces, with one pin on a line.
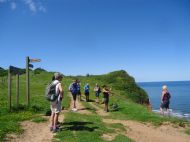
pixel 180 97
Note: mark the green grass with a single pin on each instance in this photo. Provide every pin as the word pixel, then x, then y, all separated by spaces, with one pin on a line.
pixel 76 127
pixel 121 138
pixel 188 131
pixel 83 128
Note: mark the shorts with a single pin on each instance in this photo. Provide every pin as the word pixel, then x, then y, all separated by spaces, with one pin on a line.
pixel 97 94
pixel 74 96
pixel 56 107
pixel 87 93
pixel 165 105
pixel 106 100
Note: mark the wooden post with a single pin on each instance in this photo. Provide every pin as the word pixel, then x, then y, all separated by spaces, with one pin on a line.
pixel 17 90
pixel 9 89
pixel 27 82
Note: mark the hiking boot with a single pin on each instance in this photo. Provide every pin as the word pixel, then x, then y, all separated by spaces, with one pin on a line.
pixel 51 129
pixel 56 130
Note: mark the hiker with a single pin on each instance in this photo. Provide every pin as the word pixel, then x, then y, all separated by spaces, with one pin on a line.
pixel 165 99
pixel 73 88
pixel 79 91
pixel 106 93
pixel 56 106
pixel 87 92
pixel 97 91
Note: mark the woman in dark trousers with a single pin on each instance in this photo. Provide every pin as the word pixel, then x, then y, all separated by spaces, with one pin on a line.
pixel 165 100
pixel 106 93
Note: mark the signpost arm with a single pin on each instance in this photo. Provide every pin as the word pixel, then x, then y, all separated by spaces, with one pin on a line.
pixel 27 81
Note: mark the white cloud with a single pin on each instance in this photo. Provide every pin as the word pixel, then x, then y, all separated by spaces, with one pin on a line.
pixel 41 8
pixel 33 5
pixel 13 5
pixel 2 1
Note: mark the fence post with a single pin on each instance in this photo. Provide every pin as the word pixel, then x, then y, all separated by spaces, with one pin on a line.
pixel 9 88
pixel 17 90
pixel 27 82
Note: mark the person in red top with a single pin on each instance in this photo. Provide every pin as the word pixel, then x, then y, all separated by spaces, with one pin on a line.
pixel 165 99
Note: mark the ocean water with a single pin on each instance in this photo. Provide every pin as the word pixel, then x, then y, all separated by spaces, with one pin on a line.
pixel 180 96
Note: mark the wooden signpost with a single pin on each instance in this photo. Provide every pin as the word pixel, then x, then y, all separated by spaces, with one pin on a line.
pixel 9 89
pixel 13 70
pixel 28 66
pixel 16 71
pixel 17 90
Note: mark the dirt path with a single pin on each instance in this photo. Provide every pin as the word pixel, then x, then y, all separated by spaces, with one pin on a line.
pixel 99 110
pixel 34 132
pixel 80 108
pixel 148 133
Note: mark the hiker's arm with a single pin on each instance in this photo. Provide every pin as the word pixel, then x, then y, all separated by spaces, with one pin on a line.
pixel 61 91
pixel 106 91
pixel 162 97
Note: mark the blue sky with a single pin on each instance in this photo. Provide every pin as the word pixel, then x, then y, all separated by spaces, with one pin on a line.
pixel 150 39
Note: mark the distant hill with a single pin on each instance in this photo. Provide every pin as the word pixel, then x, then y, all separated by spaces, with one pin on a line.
pixel 122 81
pixel 39 70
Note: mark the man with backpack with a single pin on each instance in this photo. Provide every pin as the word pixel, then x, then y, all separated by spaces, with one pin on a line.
pixel 54 93
pixel 73 88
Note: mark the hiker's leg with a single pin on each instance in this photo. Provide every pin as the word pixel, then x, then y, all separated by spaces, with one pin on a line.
pixel 86 97
pixel 98 98
pixel 52 119
pixel 55 120
pixel 106 107
pixel 161 111
pixel 74 103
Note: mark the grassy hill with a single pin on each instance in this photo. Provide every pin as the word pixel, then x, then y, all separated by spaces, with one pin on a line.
pixel 132 101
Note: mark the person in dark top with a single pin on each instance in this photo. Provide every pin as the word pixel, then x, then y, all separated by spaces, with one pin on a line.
pixel 73 88
pixel 165 100
pixel 106 93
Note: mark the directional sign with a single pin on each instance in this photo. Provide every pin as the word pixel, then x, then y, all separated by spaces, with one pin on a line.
pixel 31 66
pixel 14 70
pixel 35 60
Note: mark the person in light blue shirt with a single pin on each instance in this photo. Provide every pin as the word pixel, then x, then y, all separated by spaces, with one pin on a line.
pixel 87 92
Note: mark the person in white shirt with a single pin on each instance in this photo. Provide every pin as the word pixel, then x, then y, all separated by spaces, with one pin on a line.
pixel 56 105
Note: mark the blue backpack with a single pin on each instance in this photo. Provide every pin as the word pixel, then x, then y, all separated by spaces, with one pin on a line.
pixel 74 88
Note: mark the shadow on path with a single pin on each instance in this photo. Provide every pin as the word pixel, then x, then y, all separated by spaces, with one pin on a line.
pixel 78 126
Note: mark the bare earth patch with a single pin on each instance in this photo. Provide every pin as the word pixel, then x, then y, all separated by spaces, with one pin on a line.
pixel 109 137
pixel 148 133
pixel 34 132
